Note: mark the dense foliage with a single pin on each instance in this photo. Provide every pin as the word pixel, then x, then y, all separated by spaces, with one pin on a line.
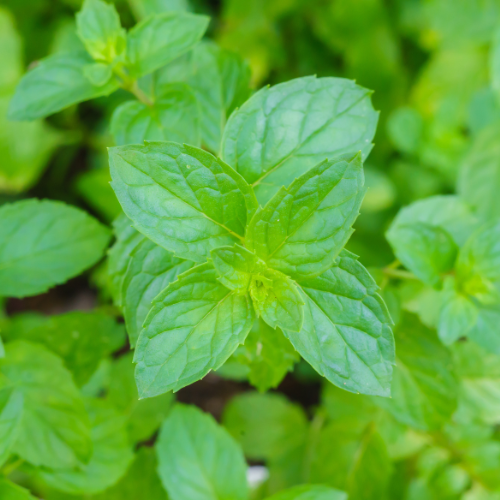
pixel 180 186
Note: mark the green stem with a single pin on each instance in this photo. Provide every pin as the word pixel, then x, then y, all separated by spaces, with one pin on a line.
pixel 398 274
pixel 131 85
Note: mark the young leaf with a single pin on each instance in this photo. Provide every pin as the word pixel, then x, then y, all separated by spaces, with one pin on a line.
pixel 277 300
pixel 12 491
pixel 310 492
pixel 54 84
pixel 174 116
pixel 44 243
pixel 346 336
pixel 485 330
pixel 303 228
pixel 159 39
pixel 111 454
pixel 54 429
pixel 424 386
pixel 150 269
pixel 199 460
pixel 100 30
pixel 283 131
pixel 11 411
pixel 181 197
pixel 195 324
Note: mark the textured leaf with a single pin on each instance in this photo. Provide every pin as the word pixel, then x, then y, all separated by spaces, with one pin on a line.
pixel 44 243
pixel 181 197
pixel 195 324
pixel 424 386
pixel 303 228
pixel 220 81
pixel 111 454
pixel 54 430
pixel 174 116
pixel 159 39
pixel 198 460
pixel 54 84
pixel 11 491
pixel 11 411
pixel 346 335
pixel 151 268
pixel 100 30
pixel 283 131
pixel 310 492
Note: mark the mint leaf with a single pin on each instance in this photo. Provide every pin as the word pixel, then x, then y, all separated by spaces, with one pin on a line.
pixel 98 73
pixel 277 300
pixel 195 324
pixel 150 269
pixel 304 227
pixel 11 491
pixel 283 131
pixel 54 84
pixel 11 411
pixel 310 492
pixel 198 459
pixel 424 386
pixel 111 454
pixel 144 8
pixel 159 39
pixel 44 243
pixel 181 197
pixel 54 430
pixel 346 336
pixel 220 81
pixel 174 116
pixel 485 330
pixel 100 30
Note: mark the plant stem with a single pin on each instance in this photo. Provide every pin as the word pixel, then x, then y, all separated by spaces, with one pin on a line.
pixel 398 274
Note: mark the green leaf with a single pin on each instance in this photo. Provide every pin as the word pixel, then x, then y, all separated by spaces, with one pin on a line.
pixel 174 116
pixel 144 8
pixel 284 130
pixel 479 174
pixel 220 81
pixel 144 415
pixel 57 82
pixel 11 49
pixel 199 460
pixel 11 491
pixel 98 73
pixel 303 228
pixel 346 336
pixel 111 454
pixel 44 243
pixel 485 330
pixel 100 30
pixel 181 197
pixel 268 355
pixel 310 492
pixel 159 39
pixel 150 269
pixel 195 324
pixel 424 386
pixel 405 128
pixel 11 411
pixel 276 299
pixel 54 430
pixel 81 339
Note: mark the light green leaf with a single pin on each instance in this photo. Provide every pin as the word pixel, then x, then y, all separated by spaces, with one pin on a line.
pixel 485 330
pixel 268 355
pixel 277 299
pixel 405 128
pixel 199 460
pixel 181 197
pixel 304 227
pixel 495 60
pixel 11 49
pixel 111 454
pixel 144 8
pixel 174 116
pixel 283 131
pixel 100 30
pixel 44 243
pixel 98 73
pixel 347 335
pixel 54 430
pixel 81 339
pixel 11 491
pixel 54 84
pixel 479 174
pixel 220 81
pixel 144 415
pixel 11 411
pixel 310 492
pixel 151 268
pixel 159 39
pixel 195 324
pixel 424 386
